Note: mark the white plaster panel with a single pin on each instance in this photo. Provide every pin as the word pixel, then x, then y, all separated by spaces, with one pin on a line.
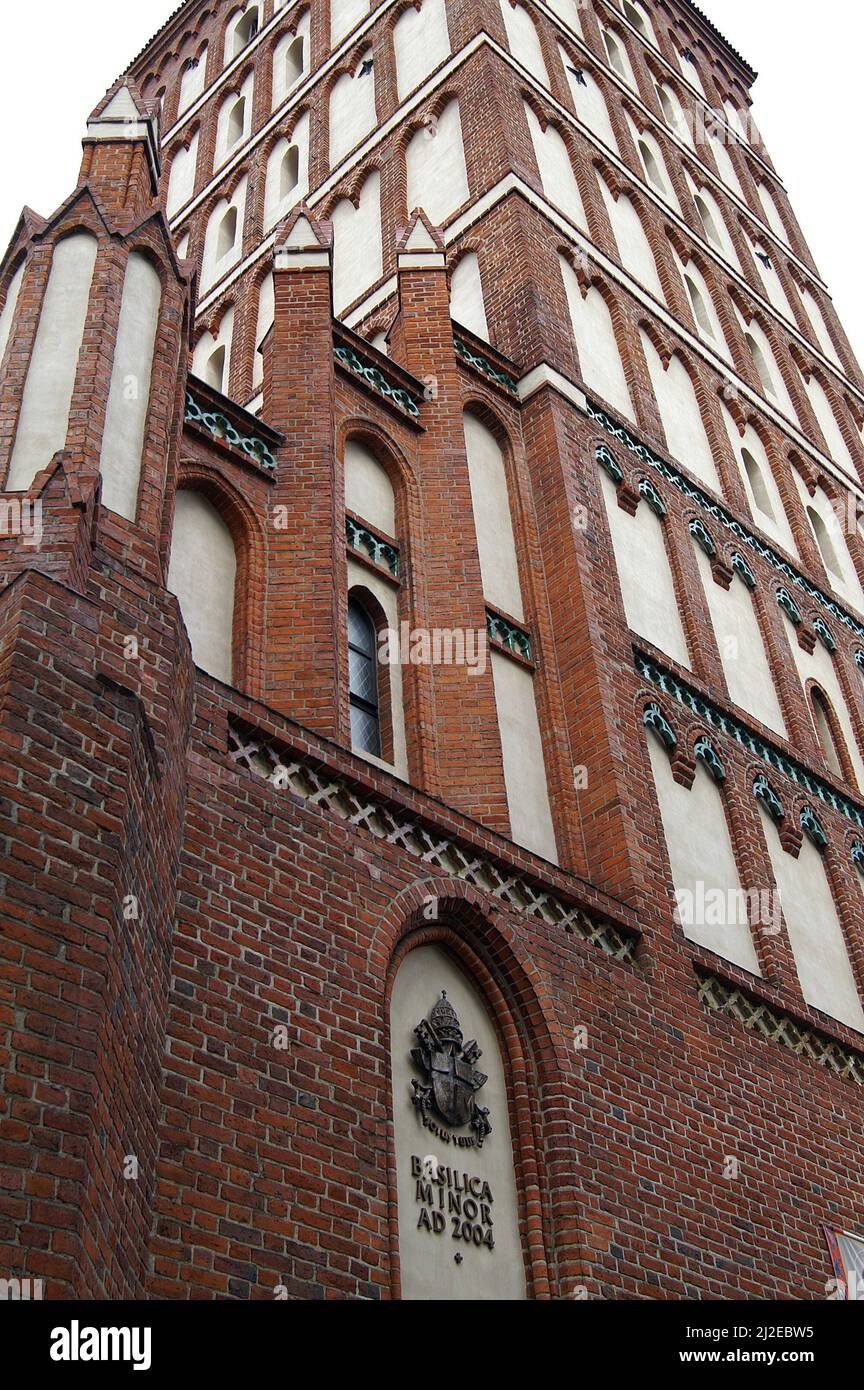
pixel 815 932
pixel 47 397
pixel 703 864
pixel 523 40
pixel 357 256
pixel 427 1261
pixel 633 246
pixel 437 176
pixel 466 296
pixel 492 519
pixel 556 171
pixel 682 419
pixel 202 573
pixel 599 358
pixel 129 394
pixel 522 754
pixel 742 647
pixel 647 590
pixel 421 42
pixel 352 110
pixel 368 490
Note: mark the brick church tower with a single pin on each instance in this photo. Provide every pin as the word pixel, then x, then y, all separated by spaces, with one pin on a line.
pixel 431 675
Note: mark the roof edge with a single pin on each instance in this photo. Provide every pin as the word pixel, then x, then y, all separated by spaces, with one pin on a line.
pixel 702 19
pixel 160 33
pixel 688 6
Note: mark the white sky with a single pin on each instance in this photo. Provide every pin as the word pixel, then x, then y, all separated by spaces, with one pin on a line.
pixel 807 105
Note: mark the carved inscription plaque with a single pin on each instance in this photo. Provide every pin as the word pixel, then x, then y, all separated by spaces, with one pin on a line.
pixel 458 1214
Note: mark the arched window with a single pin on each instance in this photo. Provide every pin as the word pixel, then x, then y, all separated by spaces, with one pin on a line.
pixel 760 362
pixel 758 486
pixel 203 575
pixel 370 501
pixel 639 20
pixel 227 234
pixel 830 521
pixel 618 60
pixel 363 680
pixel 766 502
pixel 709 225
pixel 211 358
pixel 289 172
pixel 673 113
pixel 290 59
pixel 825 544
pixel 702 305
pixel 823 718
pixel 214 369
pixel 243 32
pixel 651 167
pixel 224 237
pixel 233 124
pixel 294 61
pixel 699 306
pixel 236 122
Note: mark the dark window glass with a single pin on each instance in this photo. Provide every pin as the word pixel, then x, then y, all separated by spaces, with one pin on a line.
pixel 363 680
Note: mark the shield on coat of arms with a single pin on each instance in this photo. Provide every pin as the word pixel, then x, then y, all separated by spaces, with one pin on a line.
pixel 453 1087
pixel 451 1078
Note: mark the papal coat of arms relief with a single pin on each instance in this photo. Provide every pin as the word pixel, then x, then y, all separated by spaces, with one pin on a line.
pixel 451 1078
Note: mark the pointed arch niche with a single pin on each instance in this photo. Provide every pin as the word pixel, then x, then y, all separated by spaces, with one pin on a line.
pixel 443 1218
